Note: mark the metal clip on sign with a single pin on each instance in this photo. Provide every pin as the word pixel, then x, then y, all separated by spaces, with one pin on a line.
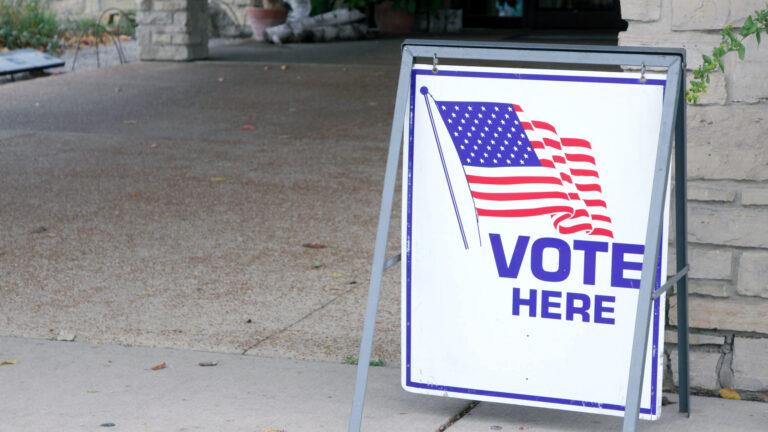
pixel 672 127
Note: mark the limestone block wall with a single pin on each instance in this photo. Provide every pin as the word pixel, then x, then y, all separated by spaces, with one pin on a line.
pixel 172 29
pixel 727 192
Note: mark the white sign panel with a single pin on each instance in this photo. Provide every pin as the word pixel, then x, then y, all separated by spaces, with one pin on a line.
pixel 526 201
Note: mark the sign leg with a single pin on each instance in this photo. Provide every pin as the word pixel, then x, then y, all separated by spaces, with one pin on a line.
pixel 377 268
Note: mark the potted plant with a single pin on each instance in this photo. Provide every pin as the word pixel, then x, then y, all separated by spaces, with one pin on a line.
pixel 269 14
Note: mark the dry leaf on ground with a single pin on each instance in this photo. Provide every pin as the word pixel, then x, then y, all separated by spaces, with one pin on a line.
pixel 159 367
pixel 249 127
pixel 8 362
pixel 726 393
pixel 314 246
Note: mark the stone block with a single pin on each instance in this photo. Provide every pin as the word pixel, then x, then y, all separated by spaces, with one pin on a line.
pixel 144 5
pixel 656 34
pixel 733 226
pixel 641 10
pixel 753 274
pixel 716 152
pixel 724 314
pixel 144 35
pixel 745 79
pixel 710 263
pixel 170 5
pixel 702 368
pixel 161 39
pixel 181 18
pixel 754 196
pixel 750 368
pixel 707 191
pixel 670 336
pixel 709 288
pixel 153 18
pixel 740 9
pixel 716 93
pixel 699 14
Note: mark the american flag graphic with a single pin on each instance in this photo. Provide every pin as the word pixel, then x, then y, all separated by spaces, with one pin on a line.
pixel 517 167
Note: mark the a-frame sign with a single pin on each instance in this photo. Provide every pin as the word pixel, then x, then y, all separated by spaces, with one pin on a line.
pixel 534 236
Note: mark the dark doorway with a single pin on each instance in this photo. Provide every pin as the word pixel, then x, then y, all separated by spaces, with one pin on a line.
pixel 544 14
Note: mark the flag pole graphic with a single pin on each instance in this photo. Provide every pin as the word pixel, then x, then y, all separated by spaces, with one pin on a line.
pixel 424 91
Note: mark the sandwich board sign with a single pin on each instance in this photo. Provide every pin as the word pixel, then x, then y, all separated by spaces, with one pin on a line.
pixel 525 215
pixel 534 235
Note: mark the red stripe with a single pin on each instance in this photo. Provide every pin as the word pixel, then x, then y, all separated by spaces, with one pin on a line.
pixel 584 173
pixel 580 158
pixel 602 232
pixel 595 203
pixel 547 163
pixel 575 142
pixel 601 218
pixel 524 212
pixel 589 188
pixel 580 213
pixel 527 126
pixel 573 229
pixel 566 178
pixel 558 159
pixel 560 219
pixel 542 125
pixel 573 196
pixel 552 143
pixel 490 196
pixel 512 180
pixel 537 144
pixel 517 108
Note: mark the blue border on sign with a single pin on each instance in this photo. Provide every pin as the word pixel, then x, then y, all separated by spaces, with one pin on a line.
pixel 409 221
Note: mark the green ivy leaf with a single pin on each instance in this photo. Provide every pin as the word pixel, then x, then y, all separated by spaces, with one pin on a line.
pixel 741 52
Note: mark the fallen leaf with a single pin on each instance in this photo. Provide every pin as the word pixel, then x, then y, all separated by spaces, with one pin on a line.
pixel 8 362
pixel 373 103
pixel 267 68
pixel 314 245
pixel 336 288
pixel 154 146
pixel 136 194
pixel 249 127
pixel 218 179
pixel 208 363
pixel 317 265
pixel 51 235
pixel 283 67
pixel 335 275
pixel 159 367
pixel 221 79
pixel 726 393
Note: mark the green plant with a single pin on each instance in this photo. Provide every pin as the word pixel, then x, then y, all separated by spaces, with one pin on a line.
pixel 353 361
pixel 29 24
pixel 754 25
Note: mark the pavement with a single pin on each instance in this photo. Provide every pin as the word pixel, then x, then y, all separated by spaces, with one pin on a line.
pixel 160 212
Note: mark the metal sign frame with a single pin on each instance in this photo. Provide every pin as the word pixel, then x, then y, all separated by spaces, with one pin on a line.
pixel 672 127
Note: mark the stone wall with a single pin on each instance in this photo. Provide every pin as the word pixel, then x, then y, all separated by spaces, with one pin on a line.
pixel 727 192
pixel 172 29
pixel 74 10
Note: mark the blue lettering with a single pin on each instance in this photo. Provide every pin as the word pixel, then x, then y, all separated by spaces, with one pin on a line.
pixel 512 269
pixel 517 301
pixel 601 309
pixel 571 309
pixel 619 264
pixel 547 303
pixel 563 262
pixel 590 248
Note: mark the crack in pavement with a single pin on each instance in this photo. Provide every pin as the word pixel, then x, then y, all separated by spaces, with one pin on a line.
pixel 453 420
pixel 310 313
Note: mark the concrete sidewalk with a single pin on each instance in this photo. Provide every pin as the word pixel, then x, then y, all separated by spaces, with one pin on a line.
pixel 66 386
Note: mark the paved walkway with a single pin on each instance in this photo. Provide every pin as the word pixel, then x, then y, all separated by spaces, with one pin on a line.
pixel 166 205
pixel 66 386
